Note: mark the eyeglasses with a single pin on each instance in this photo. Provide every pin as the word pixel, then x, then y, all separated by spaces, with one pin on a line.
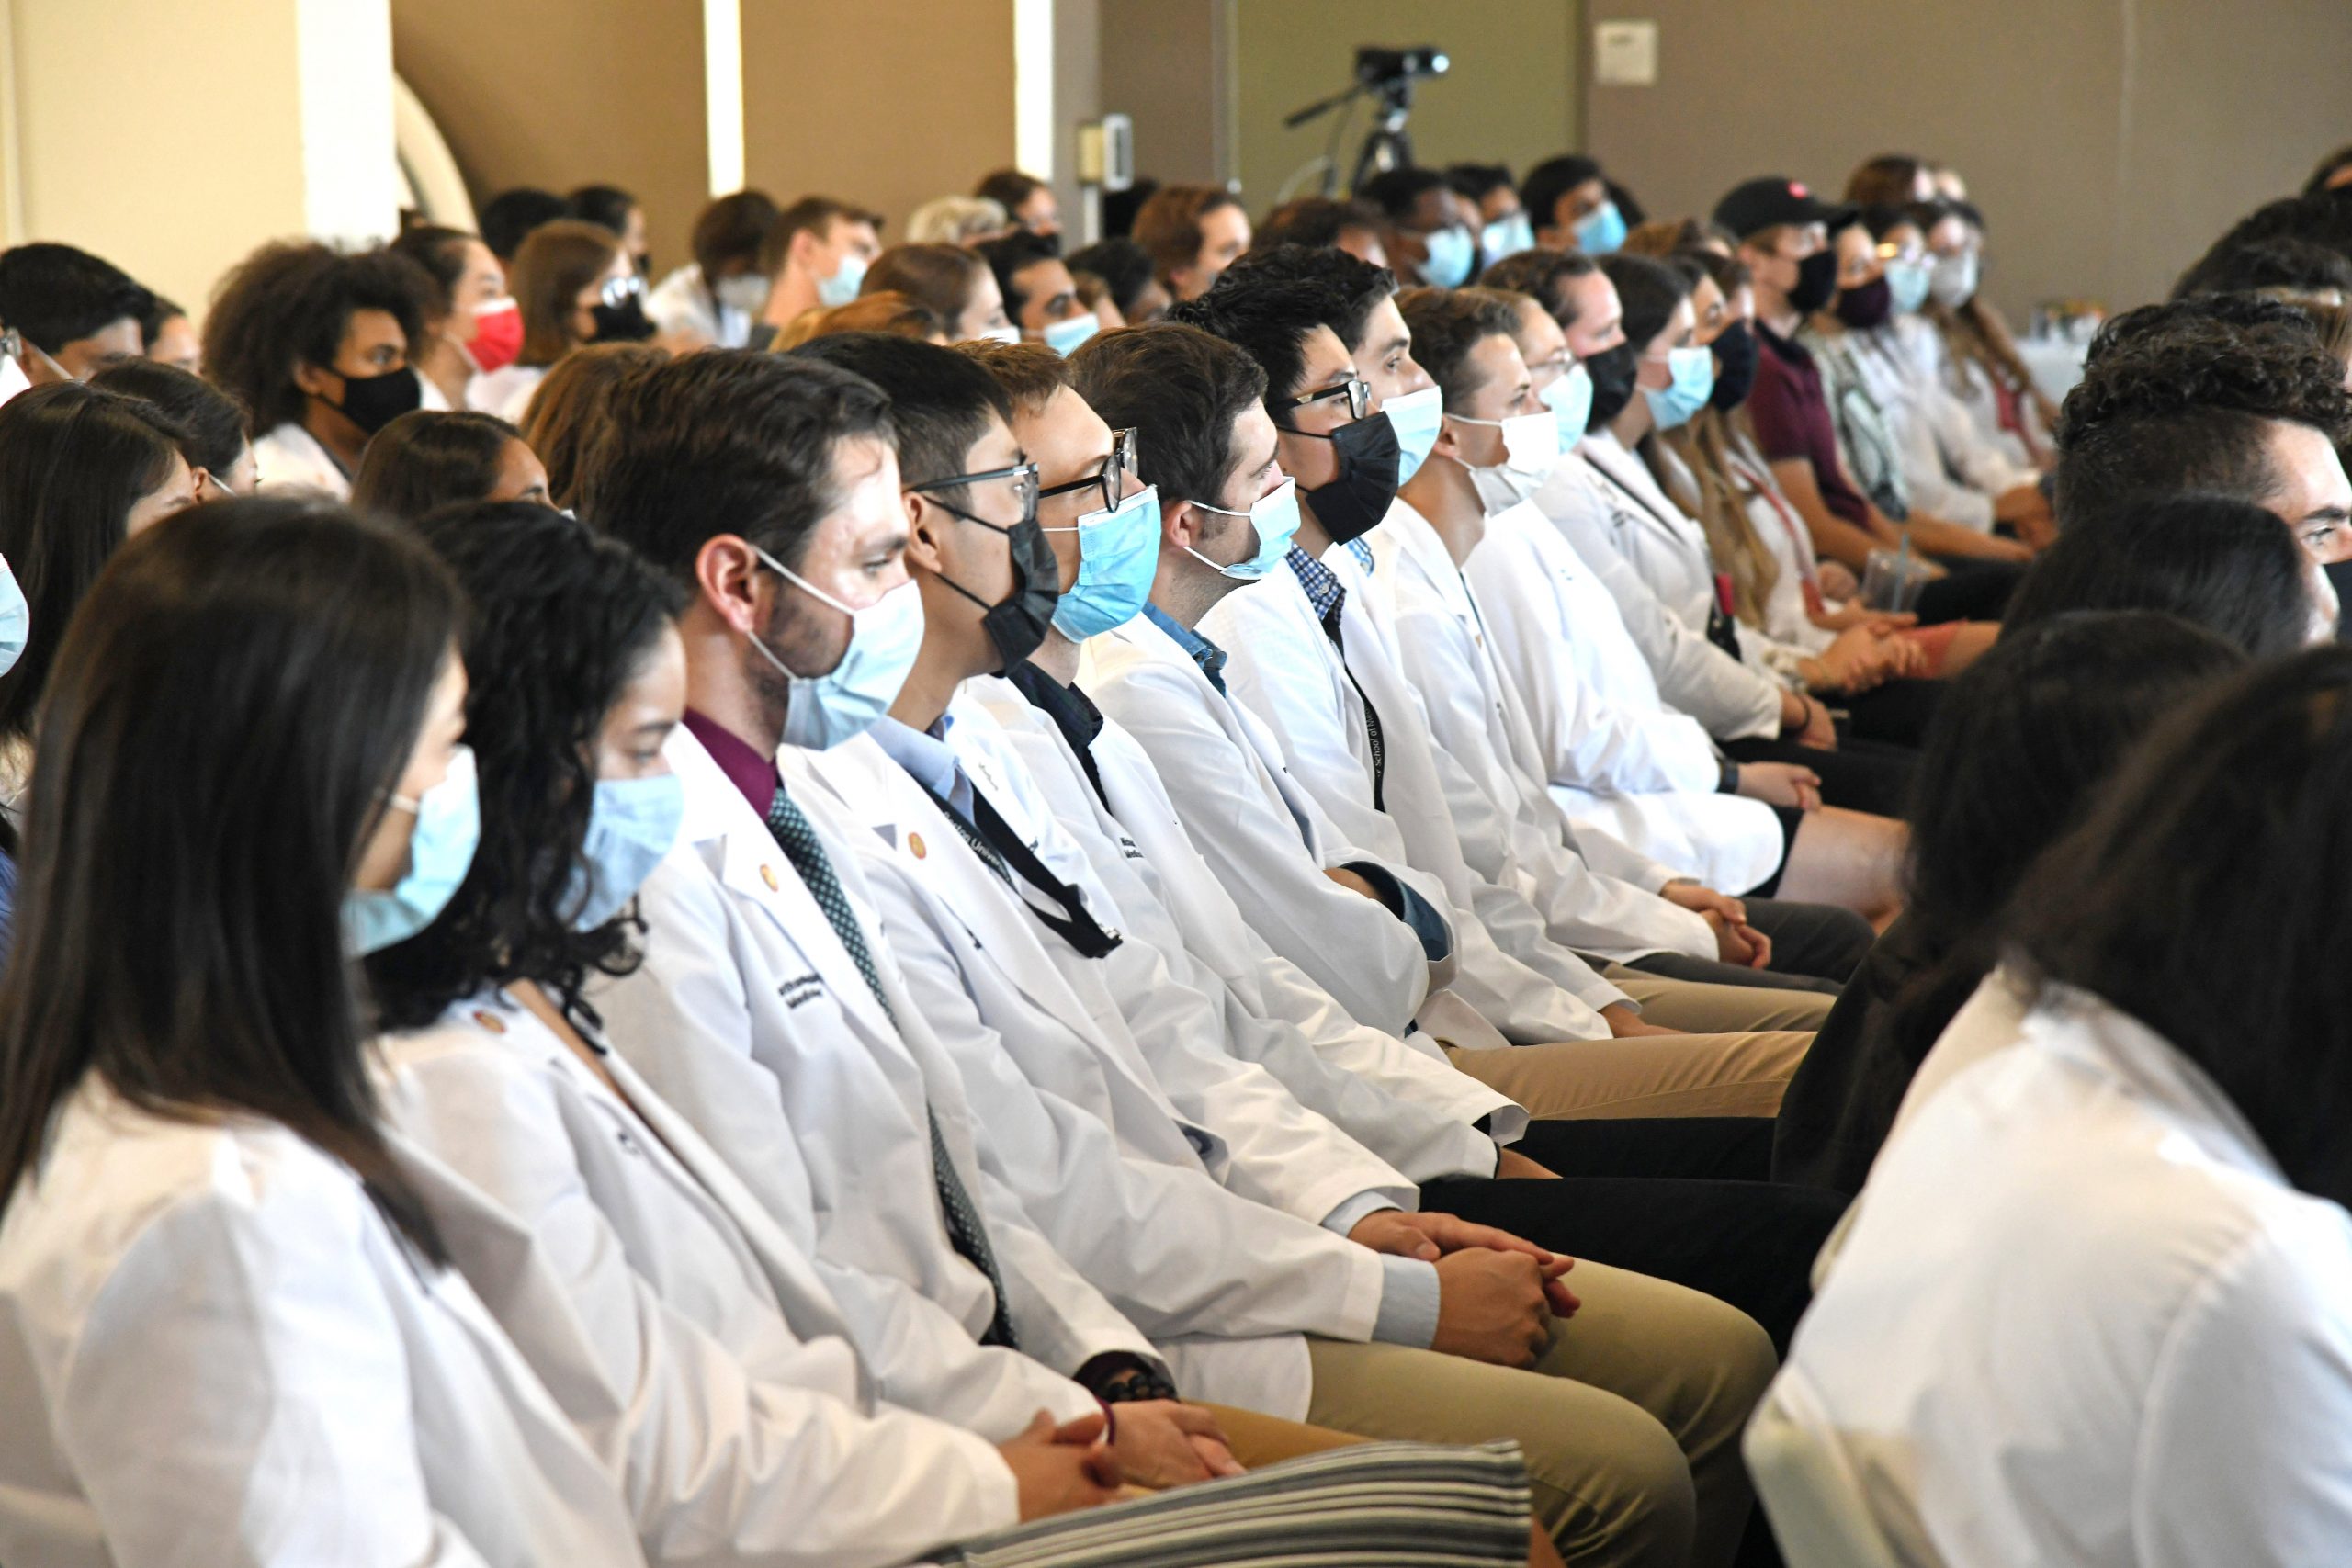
pixel 1355 389
pixel 1020 482
pixel 619 289
pixel 1114 477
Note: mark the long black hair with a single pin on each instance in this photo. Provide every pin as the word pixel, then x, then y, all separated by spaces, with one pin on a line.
pixel 2205 897
pixel 430 457
pixel 562 619
pixel 231 710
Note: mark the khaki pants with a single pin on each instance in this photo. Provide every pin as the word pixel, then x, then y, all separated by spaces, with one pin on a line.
pixel 1695 1007
pixel 1683 1075
pixel 1261 1441
pixel 1630 1420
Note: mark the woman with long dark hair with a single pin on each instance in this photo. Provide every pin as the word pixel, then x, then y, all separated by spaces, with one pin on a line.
pixel 226 1329
pixel 433 458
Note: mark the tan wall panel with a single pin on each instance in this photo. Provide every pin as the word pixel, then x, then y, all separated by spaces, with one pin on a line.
pixel 1160 68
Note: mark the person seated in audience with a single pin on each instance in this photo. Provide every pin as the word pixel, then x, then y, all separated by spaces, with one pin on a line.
pixel 507 218
pixel 2020 750
pixel 570 417
pixel 615 211
pixel 1136 295
pixel 1192 233
pixel 1427 230
pixel 1504 227
pixel 1027 200
pixel 1972 349
pixel 2124 1233
pixel 78 313
pixel 220 457
pixel 2284 267
pixel 1040 297
pixel 884 312
pixel 956 284
pixel 1891 179
pixel 231 1332
pixel 816 253
pixel 1569 201
pixel 574 285
pixel 957 220
pixel 425 460
pixel 1351 226
pixel 468 285
pixel 315 344
pixel 171 338
pixel 714 298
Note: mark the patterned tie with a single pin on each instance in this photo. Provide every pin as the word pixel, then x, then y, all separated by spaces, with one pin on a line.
pixel 797 839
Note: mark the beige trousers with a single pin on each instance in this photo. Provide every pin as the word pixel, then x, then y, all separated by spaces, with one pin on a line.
pixel 1696 1008
pixel 1630 1420
pixel 1681 1075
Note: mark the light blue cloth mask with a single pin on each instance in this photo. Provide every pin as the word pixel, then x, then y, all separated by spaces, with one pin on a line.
pixel 1570 397
pixel 1693 370
pixel 1275 517
pixel 1600 231
pixel 1119 554
pixel 843 704
pixel 1416 418
pixel 440 848
pixel 1063 337
pixel 631 825
pixel 1451 253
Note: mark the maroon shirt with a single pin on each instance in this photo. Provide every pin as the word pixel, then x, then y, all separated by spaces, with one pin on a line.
pixel 741 760
pixel 1792 417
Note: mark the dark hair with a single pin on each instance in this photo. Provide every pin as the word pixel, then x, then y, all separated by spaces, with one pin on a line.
pixel 556 262
pixel 212 423
pixel 1397 192
pixel 729 441
pixel 2221 563
pixel 810 214
pixel 2019 750
pixel 1270 318
pixel 430 457
pixel 1888 180
pixel 1122 265
pixel 2173 398
pixel 1122 207
pixel 1180 389
pixel 1030 373
pixel 2202 898
pixel 1544 185
pixel 55 294
pixel 507 218
pixel 1730 274
pixel 1312 221
pixel 2285 264
pixel 440 253
pixel 1478 181
pixel 608 206
pixel 937 278
pixel 1008 189
pixel 74 461
pixel 570 414
pixel 1650 291
pixel 561 620
pixel 2329 167
pixel 1346 288
pixel 1447 323
pixel 1009 255
pixel 1167 225
pixel 2322 217
pixel 179 927
pixel 290 303
pixel 733 228
pixel 939 400
pixel 156 318
pixel 1542 274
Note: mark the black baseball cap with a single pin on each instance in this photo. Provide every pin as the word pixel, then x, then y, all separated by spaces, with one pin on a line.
pixel 1758 205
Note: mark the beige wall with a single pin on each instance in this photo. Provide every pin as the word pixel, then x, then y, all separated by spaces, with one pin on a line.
pixel 1509 97
pixel 2108 140
pixel 564 93
pixel 1162 68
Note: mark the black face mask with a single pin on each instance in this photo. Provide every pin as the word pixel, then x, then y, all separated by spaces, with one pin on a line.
pixel 1868 305
pixel 1017 625
pixel 1734 349
pixel 624 322
pixel 1817 281
pixel 1614 372
pixel 1352 506
pixel 372 403
pixel 2339 573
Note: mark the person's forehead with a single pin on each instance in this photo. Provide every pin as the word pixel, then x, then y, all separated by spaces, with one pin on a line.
pixel 1595 296
pixel 1323 355
pixel 1537 330
pixel 1495 357
pixel 2309 463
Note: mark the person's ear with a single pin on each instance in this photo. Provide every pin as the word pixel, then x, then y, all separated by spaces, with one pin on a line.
pixel 1180 525
pixel 728 573
pixel 1449 440
pixel 315 381
pixel 925 525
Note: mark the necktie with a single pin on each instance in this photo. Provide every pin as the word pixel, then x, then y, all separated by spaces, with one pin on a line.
pixel 797 839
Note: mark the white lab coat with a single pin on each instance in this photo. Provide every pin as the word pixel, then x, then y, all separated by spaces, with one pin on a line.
pixel 1615 755
pixel 1733 701
pixel 750 1019
pixel 505 392
pixel 214 1349
pixel 1970 387
pixel 682 304
pixel 691 1341
pixel 1609 907
pixel 1403 1102
pixel 1126 1185
pixel 2082 1321
pixel 290 457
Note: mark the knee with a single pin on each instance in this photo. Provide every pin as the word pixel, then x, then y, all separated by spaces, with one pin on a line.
pixel 1622 1494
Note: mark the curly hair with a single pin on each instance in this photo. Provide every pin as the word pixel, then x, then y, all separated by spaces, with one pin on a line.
pixel 1346 288
pixel 2282 265
pixel 290 304
pixel 561 618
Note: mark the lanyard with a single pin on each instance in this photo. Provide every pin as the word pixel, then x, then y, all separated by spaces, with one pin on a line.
pixel 1074 925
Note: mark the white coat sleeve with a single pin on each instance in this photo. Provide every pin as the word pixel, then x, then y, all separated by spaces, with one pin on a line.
pixel 238 1393
pixel 706 1450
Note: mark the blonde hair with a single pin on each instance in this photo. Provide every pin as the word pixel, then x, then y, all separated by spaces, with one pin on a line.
pixel 1704 444
pixel 884 311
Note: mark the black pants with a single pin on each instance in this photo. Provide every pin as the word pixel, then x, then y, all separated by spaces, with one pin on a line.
pixel 1707 1148
pixel 1815 948
pixel 1971 590
pixel 1897 713
pixel 1861 776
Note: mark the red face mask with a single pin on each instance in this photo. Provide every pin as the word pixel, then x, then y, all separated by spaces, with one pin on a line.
pixel 498 333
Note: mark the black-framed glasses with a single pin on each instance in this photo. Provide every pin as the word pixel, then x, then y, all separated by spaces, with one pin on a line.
pixel 1355 389
pixel 1021 480
pixel 1113 479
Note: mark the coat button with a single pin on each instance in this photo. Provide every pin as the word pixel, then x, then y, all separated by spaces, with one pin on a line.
pixel 914 845
pixel 767 875
pixel 490 1021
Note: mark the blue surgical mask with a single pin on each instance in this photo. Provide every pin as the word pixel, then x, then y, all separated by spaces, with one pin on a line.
pixel 1570 397
pixel 1275 517
pixel 843 704
pixel 440 850
pixel 1908 282
pixel 1063 337
pixel 1508 236
pixel 841 287
pixel 1416 416
pixel 15 618
pixel 631 825
pixel 1451 253
pixel 1119 554
pixel 1693 373
pixel 1600 231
